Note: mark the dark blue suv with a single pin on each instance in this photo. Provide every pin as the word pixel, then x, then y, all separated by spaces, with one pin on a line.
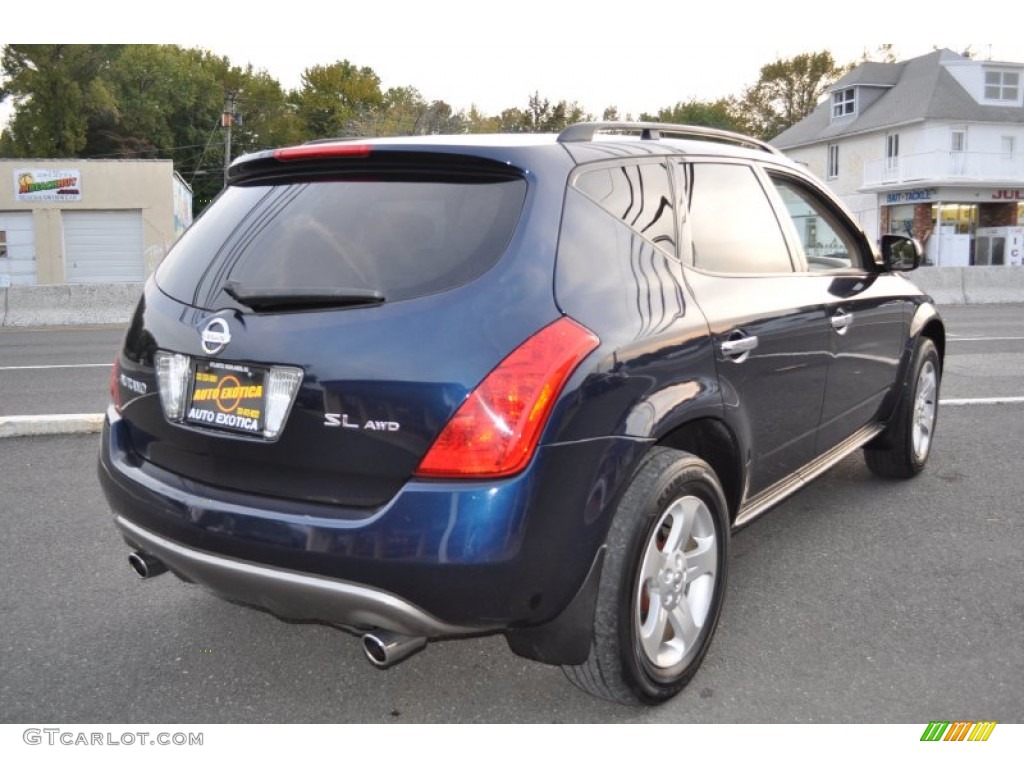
pixel 452 385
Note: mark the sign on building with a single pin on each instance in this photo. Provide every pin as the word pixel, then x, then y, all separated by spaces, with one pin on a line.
pixel 47 185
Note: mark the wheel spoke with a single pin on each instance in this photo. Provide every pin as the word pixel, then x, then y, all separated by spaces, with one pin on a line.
pixel 702 561
pixel 652 633
pixel 683 626
pixel 682 514
pixel 654 560
pixel 924 411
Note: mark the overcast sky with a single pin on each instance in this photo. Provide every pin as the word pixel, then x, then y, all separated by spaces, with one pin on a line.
pixel 636 56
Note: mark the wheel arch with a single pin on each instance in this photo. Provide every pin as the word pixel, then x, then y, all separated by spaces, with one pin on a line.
pixel 927 322
pixel 711 439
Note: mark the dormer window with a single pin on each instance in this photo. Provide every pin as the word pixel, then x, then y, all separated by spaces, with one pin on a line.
pixel 844 103
pixel 1002 85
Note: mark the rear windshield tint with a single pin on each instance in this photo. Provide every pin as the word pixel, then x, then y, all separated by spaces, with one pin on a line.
pixel 403 237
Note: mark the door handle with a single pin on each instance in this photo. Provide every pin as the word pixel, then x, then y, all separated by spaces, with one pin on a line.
pixel 841 321
pixel 738 349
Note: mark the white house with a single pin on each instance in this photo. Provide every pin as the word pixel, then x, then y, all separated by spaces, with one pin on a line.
pixel 931 146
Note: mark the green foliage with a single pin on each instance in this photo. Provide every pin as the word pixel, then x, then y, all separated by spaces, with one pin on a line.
pixel 334 98
pixel 165 101
pixel 710 114
pixel 404 112
pixel 541 116
pixel 787 91
pixel 56 90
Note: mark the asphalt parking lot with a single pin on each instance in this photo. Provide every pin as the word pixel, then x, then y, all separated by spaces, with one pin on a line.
pixel 857 600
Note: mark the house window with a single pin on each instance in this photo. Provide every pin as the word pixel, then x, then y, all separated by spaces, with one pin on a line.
pixel 833 161
pixel 1001 85
pixel 844 102
pixel 1009 145
pixel 892 151
pixel 957 147
pixel 3 244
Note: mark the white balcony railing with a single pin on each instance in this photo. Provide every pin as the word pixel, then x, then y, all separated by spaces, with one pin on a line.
pixel 939 167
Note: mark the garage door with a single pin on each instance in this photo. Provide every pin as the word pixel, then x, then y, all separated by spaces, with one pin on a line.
pixel 103 246
pixel 17 249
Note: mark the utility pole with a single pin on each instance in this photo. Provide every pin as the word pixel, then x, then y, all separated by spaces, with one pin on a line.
pixel 227 119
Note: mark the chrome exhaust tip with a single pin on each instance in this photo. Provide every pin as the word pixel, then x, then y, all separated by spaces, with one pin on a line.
pixel 385 649
pixel 145 565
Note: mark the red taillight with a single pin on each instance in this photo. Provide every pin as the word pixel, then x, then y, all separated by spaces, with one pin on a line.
pixel 321 151
pixel 115 387
pixel 495 431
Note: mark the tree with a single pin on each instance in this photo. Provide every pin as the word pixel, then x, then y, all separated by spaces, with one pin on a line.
pixel 885 53
pixel 541 116
pixel 787 91
pixel 333 97
pixel 711 114
pixel 477 122
pixel 404 112
pixel 56 90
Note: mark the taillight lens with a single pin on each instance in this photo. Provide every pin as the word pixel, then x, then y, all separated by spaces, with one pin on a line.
pixel 495 431
pixel 115 386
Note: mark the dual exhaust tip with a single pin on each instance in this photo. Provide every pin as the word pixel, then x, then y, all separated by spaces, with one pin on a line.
pixel 145 565
pixel 383 648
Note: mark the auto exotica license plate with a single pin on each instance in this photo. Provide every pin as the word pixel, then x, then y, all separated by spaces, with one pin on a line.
pixel 228 396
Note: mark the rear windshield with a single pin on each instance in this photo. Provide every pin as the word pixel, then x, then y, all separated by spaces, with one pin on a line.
pixel 401 237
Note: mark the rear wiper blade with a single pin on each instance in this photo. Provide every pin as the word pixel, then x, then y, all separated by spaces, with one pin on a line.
pixel 258 298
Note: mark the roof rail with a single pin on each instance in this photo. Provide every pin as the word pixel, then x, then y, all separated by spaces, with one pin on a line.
pixel 654 131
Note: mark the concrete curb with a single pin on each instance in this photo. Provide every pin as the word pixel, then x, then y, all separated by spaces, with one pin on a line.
pixel 50 424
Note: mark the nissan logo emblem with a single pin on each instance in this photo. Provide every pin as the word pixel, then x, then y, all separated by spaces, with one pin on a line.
pixel 215 336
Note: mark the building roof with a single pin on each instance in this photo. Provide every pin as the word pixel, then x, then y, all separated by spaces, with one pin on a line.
pixel 914 90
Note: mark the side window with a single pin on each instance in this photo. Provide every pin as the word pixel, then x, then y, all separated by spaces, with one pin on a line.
pixel 827 243
pixel 732 224
pixel 639 195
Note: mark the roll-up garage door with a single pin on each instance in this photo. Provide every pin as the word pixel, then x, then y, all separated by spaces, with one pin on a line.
pixel 17 249
pixel 103 246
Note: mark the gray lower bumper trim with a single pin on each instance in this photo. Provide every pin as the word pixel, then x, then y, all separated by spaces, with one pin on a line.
pixel 289 594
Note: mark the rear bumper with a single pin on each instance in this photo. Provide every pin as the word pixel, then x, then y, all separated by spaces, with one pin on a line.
pixel 440 558
pixel 288 594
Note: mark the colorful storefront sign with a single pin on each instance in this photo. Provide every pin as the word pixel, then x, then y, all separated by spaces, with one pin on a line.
pixel 47 185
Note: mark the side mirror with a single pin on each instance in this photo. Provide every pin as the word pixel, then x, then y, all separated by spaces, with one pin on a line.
pixel 900 254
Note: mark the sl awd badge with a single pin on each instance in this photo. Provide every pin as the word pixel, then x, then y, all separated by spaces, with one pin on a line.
pixel 215 336
pixel 341 420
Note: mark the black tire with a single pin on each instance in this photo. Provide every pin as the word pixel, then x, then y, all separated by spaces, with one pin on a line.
pixel 902 450
pixel 674 504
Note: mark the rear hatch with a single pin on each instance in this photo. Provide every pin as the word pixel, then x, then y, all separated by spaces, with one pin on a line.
pixel 315 329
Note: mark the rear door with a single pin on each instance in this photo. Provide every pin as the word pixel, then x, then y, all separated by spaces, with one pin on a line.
pixel 767 322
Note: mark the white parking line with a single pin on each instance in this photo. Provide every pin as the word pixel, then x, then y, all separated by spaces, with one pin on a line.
pixel 48 367
pixel 981 400
pixel 985 338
